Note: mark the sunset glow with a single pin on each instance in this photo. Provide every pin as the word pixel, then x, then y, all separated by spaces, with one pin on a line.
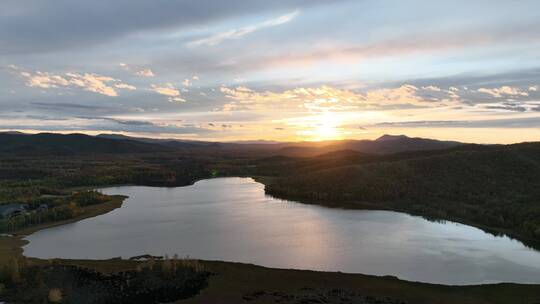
pixel 307 70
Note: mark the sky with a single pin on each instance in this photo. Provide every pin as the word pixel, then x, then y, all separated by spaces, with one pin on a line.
pixel 272 70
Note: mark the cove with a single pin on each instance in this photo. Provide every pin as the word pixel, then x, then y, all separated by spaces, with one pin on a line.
pixel 231 219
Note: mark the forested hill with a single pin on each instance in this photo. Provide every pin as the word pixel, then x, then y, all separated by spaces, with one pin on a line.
pixel 386 144
pixel 71 144
pixel 15 143
pixel 495 187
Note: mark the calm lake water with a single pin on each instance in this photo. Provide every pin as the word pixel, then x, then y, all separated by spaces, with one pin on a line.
pixel 231 219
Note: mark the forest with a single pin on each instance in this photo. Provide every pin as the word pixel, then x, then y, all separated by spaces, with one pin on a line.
pixel 496 188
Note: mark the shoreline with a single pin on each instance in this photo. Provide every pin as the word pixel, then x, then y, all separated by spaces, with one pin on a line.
pixel 235 282
pixel 11 247
pixel 97 210
pixel 356 205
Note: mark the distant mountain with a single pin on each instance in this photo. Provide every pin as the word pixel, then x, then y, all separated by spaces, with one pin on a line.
pixel 14 133
pixel 183 144
pixel 257 142
pixel 51 143
pixel 387 137
pixel 71 144
pixel 386 144
pixel 170 143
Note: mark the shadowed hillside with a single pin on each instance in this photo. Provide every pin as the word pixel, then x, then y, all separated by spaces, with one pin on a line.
pixel 77 144
pixel 386 144
pixel 71 144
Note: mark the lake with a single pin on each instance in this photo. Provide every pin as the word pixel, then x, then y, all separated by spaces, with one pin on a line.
pixel 231 219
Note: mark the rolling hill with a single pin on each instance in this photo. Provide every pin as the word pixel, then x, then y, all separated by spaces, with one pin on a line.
pixel 386 144
pixel 71 144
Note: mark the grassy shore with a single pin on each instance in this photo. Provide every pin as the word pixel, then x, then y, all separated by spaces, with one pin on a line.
pixel 237 282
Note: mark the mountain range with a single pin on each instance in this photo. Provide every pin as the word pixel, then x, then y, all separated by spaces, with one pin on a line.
pixel 75 144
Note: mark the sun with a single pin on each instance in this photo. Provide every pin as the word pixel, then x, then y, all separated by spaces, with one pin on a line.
pixel 326 127
pixel 318 127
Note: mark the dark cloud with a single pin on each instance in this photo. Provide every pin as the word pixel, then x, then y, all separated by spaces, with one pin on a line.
pixel 133 122
pixel 529 122
pixel 60 105
pixel 46 25
pixel 413 43
pixel 507 108
pixel 122 121
pixel 471 80
pixel 110 124
pixel 43 117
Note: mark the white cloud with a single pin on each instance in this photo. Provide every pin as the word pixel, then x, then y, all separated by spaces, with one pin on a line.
pixel 145 73
pixel 96 83
pixel 241 32
pixel 176 99
pixel 125 86
pixel 504 90
pixel 168 89
pixel 44 80
pixel 186 83
pixel 325 98
pixel 432 88
pixel 533 88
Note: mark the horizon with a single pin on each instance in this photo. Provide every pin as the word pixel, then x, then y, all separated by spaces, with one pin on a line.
pixel 254 141
pixel 308 70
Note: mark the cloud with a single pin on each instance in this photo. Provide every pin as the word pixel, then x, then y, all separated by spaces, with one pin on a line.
pixel 96 83
pixel 432 88
pixel 44 80
pixel 404 45
pixel 524 122
pixel 504 90
pixel 168 89
pixel 145 73
pixel 405 94
pixel 60 105
pixel 510 106
pixel 325 98
pixel 177 99
pixel 533 88
pixel 36 26
pixel 99 123
pixel 125 86
pixel 243 31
